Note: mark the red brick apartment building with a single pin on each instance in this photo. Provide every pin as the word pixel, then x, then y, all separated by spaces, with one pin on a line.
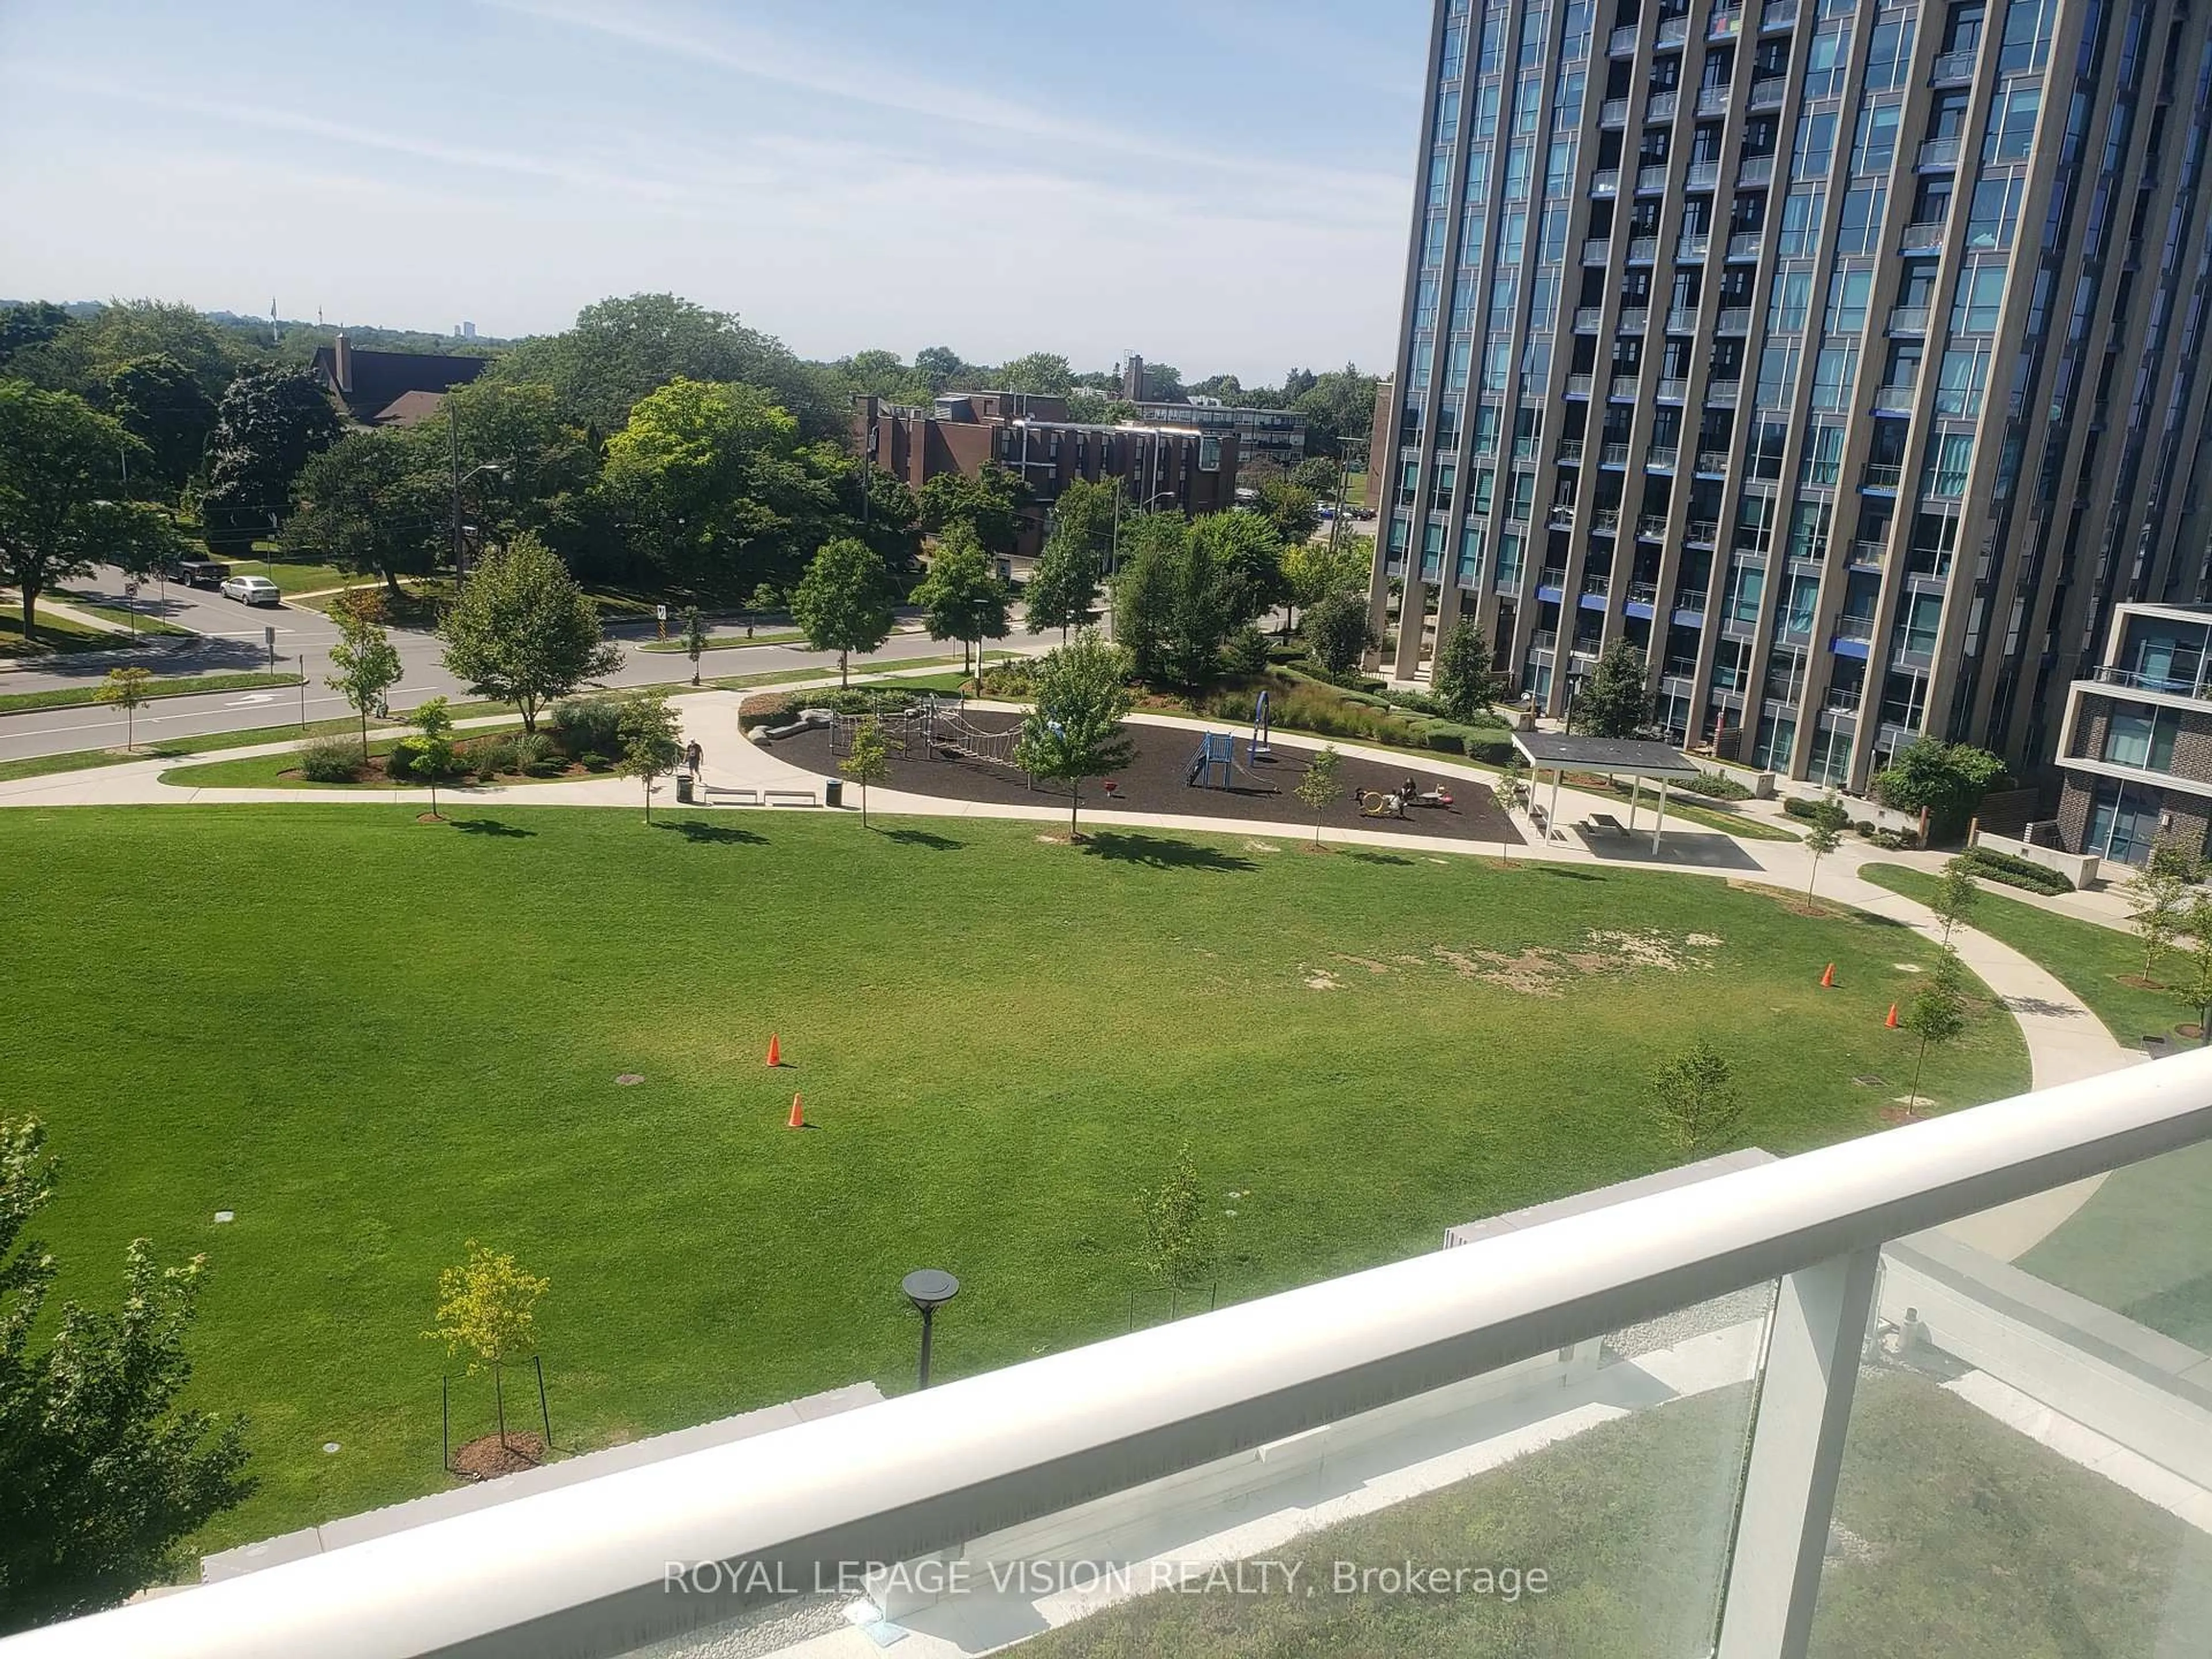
pixel 1160 466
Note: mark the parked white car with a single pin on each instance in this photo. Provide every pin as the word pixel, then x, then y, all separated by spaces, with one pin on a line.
pixel 252 590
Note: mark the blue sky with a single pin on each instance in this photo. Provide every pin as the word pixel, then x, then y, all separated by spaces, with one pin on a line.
pixel 1221 185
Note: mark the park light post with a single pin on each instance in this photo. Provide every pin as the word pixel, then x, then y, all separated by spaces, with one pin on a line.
pixel 928 1289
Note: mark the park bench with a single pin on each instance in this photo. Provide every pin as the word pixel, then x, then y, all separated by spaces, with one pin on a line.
pixel 736 797
pixel 789 797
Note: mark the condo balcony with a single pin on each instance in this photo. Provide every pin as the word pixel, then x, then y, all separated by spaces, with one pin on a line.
pixel 1769 93
pixel 1672 389
pixel 1652 179
pixel 1926 237
pixel 1722 392
pixel 1652 526
pixel 1881 475
pixel 1606 520
pixel 1642 250
pixel 1605 181
pixel 1596 251
pixel 1570 452
pixel 1746 244
pixel 1908 319
pixel 1854 628
pixel 1713 101
pixel 1952 69
pixel 1940 153
pixel 1596 584
pixel 1613 112
pixel 1702 175
pixel 1734 319
pixel 1622 43
pixel 1661 457
pixel 1682 319
pixel 1579 386
pixel 1661 107
pixel 1634 321
pixel 1589 318
pixel 1691 599
pixel 1696 244
pixel 1712 461
pixel 1675 30
pixel 1778 15
pixel 1755 170
pixel 1613 455
pixel 1624 386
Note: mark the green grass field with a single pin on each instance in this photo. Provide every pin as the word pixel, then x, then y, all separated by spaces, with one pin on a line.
pixel 195 685
pixel 54 635
pixel 375 1040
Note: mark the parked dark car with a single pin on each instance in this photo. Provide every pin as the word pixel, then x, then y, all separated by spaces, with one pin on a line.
pixel 200 573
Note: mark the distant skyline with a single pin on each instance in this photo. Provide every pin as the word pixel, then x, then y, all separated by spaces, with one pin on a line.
pixel 1224 189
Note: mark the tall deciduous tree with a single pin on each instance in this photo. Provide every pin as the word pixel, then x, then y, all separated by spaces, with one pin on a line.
pixel 1204 616
pixel 162 404
pixel 1290 508
pixel 372 505
pixel 1462 677
pixel 962 598
pixel 268 424
pixel 1247 556
pixel 1144 609
pixel 102 1478
pixel 1063 589
pixel 843 603
pixel 61 488
pixel 364 663
pixel 1314 571
pixel 989 505
pixel 1080 695
pixel 686 474
pixel 1338 633
pixel 1041 373
pixel 1614 701
pixel 523 632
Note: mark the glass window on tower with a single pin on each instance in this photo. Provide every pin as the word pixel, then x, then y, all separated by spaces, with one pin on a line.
pixel 1848 294
pixel 1994 218
pixel 1808 530
pixel 2013 114
pixel 1814 150
pixel 1448 116
pixel 1800 223
pixel 1829 61
pixel 1965 373
pixel 1834 372
pixel 1889 54
pixel 1950 461
pixel 2028 27
pixel 1824 455
pixel 1874 147
pixel 1791 302
pixel 1859 226
pixel 1980 300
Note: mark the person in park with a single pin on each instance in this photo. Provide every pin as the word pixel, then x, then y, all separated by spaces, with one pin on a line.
pixel 694 758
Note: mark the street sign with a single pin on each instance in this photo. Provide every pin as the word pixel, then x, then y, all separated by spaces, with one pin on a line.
pixel 660 617
pixel 269 639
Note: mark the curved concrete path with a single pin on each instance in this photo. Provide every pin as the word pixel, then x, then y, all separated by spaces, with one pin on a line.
pixel 2065 1041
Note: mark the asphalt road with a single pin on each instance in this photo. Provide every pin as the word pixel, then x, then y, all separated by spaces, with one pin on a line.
pixel 232 640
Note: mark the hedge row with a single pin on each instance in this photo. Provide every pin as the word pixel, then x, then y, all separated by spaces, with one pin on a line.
pixel 2014 871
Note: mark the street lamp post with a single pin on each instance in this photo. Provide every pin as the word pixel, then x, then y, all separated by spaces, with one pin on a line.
pixel 928 1289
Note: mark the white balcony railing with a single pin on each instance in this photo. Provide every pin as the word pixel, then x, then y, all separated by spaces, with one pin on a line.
pixel 1703 175
pixel 1613 455
pixel 1659 107
pixel 1588 318
pixel 1613 112
pixel 1672 389
pixel 1682 319
pixel 1642 250
pixel 1694 245
pixel 1635 320
pixel 1713 101
pixel 1605 181
pixel 1663 457
pixel 1745 245
pixel 1651 177
pixel 1755 170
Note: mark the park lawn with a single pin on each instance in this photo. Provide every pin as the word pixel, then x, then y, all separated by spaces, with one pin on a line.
pixel 375 1040
pixel 2100 965
pixel 2142 1246
pixel 1979 1544
pixel 85 760
pixel 194 686
pixel 297 577
pixel 282 772
pixel 54 635
pixel 147 627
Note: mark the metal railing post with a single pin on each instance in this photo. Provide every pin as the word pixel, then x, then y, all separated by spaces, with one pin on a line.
pixel 1813 1351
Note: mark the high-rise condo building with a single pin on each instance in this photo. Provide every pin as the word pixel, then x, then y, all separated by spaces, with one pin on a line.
pixel 1844 357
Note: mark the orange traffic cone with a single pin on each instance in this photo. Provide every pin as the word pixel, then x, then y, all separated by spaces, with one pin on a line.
pixel 1891 1023
pixel 775 1050
pixel 798 1120
pixel 1828 978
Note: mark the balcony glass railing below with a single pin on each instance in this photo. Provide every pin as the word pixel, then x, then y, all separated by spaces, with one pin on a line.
pixel 1881 475
pixel 1662 456
pixel 1650 179
pixel 1712 100
pixel 1634 321
pixel 1712 460
pixel 1642 250
pixel 1570 452
pixel 1939 153
pixel 1624 386
pixel 1755 170
pixel 1661 107
pixel 1672 389
pixel 1613 112
pixel 1613 455
pixel 1952 69
pixel 1605 181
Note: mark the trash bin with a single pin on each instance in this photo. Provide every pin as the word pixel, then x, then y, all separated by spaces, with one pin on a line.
pixel 833 791
pixel 683 787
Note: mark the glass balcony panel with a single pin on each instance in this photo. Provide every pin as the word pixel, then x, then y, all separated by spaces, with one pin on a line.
pixel 2030 1436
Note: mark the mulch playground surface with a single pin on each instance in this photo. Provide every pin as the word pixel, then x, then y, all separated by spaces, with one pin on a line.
pixel 1154 781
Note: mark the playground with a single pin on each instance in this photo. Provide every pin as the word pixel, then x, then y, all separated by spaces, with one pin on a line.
pixel 1227 773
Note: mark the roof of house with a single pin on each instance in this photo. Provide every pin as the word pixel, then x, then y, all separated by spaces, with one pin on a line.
pixel 381 379
pixel 410 408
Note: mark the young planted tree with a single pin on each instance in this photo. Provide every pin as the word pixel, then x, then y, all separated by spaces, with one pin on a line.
pixel 1463 681
pixel 488 1309
pixel 125 689
pixel 430 751
pixel 1144 609
pixel 1323 787
pixel 364 663
pixel 1935 1013
pixel 695 639
pixel 1081 695
pixel 1956 895
pixel 843 602
pixel 1179 1246
pixel 1827 834
pixel 652 743
pixel 101 1477
pixel 2155 895
pixel 523 632
pixel 962 598
pixel 2196 986
pixel 869 761
pixel 1506 792
pixel 766 597
pixel 1694 1098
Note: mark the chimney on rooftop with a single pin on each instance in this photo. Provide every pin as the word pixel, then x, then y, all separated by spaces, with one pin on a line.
pixel 342 362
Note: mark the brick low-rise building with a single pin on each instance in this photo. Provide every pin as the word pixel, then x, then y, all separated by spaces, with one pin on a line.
pixel 2135 747
pixel 1160 465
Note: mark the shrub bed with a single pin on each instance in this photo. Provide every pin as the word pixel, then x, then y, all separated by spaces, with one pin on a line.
pixel 768 708
pixel 1717 786
pixel 2014 871
pixel 330 760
